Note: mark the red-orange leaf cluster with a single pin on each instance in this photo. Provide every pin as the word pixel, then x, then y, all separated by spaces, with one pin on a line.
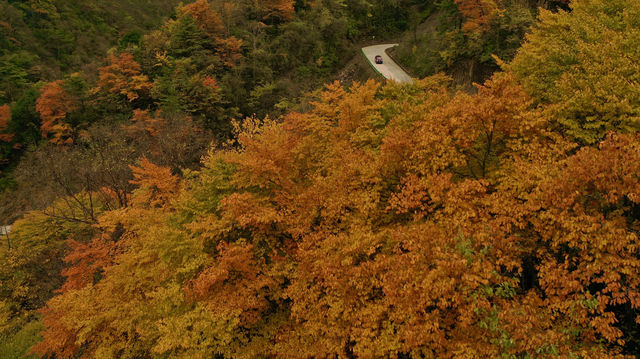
pixel 230 50
pixel 123 76
pixel 282 10
pixel 208 19
pixel 5 117
pixel 54 104
pixel 156 185
pixel 478 14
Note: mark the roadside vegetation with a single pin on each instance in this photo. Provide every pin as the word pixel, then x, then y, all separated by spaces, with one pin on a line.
pixel 466 38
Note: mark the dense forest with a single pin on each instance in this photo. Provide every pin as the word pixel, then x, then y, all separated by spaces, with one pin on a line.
pixel 229 179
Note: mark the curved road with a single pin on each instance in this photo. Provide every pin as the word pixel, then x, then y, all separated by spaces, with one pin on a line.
pixel 389 69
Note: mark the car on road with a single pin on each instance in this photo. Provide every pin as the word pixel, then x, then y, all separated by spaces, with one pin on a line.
pixel 378 59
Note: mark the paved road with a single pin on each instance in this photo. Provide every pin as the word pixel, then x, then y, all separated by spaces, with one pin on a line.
pixel 5 230
pixel 388 68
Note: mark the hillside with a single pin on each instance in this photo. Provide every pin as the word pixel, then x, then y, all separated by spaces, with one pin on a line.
pixel 440 40
pixel 41 40
pixel 210 62
pixel 207 191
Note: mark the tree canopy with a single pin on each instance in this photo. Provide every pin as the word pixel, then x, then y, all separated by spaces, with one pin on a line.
pixel 372 220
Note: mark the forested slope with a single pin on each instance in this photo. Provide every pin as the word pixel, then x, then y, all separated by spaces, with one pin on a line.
pixel 464 37
pixel 41 40
pixel 210 63
pixel 369 220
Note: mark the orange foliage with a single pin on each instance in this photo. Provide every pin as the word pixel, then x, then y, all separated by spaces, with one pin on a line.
pixel 385 222
pixel 156 185
pixel 230 50
pixel 53 105
pixel 217 286
pixel 478 14
pixel 87 263
pixel 201 11
pixel 448 280
pixel 89 259
pixel 123 77
pixel 482 124
pixel 282 10
pixel 5 117
pixel 142 122
pixel 58 338
pixel 589 246
pixel 211 83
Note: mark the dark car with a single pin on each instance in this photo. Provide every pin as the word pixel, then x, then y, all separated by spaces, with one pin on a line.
pixel 378 59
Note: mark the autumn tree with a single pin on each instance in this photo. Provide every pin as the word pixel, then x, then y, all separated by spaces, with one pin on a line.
pixel 282 10
pixel 578 62
pixel 486 122
pixel 368 227
pixel 123 77
pixel 189 56
pixel 54 104
pixel 5 117
pixel 123 244
pixel 185 90
pixel 427 263
pixel 204 15
pixel 5 136
pixel 30 275
pixel 478 14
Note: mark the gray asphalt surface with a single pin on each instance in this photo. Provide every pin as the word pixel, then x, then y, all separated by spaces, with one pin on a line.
pixel 4 230
pixel 388 68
